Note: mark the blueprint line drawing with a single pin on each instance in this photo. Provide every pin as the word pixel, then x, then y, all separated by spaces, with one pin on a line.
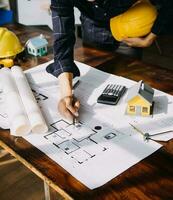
pixel 76 141
pixel 39 96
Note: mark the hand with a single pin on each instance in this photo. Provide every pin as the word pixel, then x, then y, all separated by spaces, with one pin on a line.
pixel 69 107
pixel 140 42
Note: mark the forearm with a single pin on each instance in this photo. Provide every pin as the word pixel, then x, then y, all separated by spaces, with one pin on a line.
pixel 68 106
pixel 65 82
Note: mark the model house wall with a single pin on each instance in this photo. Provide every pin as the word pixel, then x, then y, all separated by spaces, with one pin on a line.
pixel 140 99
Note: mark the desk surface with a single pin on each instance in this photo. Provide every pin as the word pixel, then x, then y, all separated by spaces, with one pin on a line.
pixel 151 179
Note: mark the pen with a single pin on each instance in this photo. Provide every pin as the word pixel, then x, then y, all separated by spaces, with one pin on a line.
pixel 76 122
pixel 76 84
pixel 75 119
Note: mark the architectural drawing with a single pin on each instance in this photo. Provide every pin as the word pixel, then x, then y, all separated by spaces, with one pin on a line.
pixel 76 142
pixel 39 96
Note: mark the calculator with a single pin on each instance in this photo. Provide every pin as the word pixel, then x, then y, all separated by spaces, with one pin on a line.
pixel 111 94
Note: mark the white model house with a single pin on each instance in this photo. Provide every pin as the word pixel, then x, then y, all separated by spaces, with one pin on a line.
pixel 37 46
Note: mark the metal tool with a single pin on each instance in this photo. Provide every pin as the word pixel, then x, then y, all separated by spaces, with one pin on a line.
pixel 146 136
pixel 76 122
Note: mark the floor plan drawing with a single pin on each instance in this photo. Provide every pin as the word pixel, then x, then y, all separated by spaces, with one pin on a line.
pixel 77 141
pixel 90 150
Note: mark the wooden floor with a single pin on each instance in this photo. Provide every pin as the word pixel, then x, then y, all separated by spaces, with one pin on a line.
pixel 18 183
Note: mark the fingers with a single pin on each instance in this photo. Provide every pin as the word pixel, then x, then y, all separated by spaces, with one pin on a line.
pixel 135 42
pixel 77 106
pixel 129 44
pixel 68 115
pixel 64 111
pixel 68 107
pixel 72 106
pixel 129 41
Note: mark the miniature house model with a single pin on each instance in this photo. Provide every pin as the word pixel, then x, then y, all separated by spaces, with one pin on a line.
pixel 37 46
pixel 140 99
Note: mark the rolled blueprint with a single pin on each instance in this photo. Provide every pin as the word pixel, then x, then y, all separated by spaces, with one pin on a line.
pixel 17 117
pixel 38 124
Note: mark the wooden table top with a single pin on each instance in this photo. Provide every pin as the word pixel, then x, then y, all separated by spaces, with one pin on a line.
pixel 151 179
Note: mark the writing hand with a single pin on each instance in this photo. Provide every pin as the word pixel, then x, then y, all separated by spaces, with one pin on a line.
pixel 69 107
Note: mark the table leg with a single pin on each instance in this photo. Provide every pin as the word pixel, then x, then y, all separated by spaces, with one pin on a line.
pixel 3 153
pixel 46 191
pixel 50 193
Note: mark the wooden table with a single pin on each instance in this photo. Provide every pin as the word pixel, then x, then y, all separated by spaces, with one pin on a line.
pixel 151 179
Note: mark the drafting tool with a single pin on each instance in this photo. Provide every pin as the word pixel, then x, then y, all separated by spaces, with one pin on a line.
pixel 146 136
pixel 76 122
pixel 76 82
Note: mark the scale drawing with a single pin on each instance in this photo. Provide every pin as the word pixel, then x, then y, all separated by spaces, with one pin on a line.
pixel 77 142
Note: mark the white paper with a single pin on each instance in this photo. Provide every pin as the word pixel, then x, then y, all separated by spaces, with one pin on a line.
pixel 37 122
pixel 92 156
pixel 17 118
pixel 22 112
pixel 3 115
pixel 40 80
pixel 91 86
pixel 39 77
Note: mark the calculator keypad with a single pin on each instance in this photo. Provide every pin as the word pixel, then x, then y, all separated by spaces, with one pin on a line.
pixel 111 94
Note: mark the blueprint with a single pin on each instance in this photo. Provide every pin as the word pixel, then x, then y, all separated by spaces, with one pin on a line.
pixel 92 152
pixel 103 145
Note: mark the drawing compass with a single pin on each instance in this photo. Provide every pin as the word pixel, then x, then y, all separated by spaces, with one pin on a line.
pixel 146 136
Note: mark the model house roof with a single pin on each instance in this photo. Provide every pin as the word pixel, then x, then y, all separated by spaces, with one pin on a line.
pixel 141 89
pixel 37 42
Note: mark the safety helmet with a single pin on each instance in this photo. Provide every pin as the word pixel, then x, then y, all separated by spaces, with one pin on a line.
pixel 6 62
pixel 9 44
pixel 137 21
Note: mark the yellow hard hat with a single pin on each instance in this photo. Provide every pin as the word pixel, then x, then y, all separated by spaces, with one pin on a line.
pixel 6 62
pixel 137 21
pixel 9 44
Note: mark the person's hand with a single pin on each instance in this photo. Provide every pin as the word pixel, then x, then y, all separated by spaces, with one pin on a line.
pixel 69 107
pixel 140 42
